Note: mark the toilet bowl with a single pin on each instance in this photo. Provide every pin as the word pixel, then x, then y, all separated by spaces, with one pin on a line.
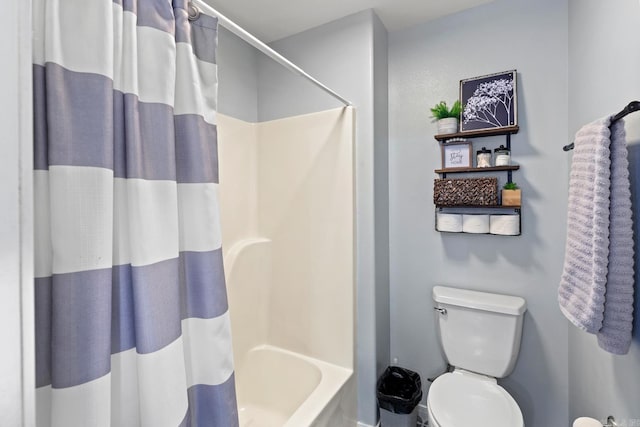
pixel 480 334
pixel 466 399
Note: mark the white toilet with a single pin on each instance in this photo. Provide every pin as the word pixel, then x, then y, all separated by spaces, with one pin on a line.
pixel 480 335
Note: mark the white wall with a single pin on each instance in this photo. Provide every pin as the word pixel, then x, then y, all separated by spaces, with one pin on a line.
pixel 426 63
pixel 306 209
pixel 16 260
pixel 287 204
pixel 238 166
pixel 604 64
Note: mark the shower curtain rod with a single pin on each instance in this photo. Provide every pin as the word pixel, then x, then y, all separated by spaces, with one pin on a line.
pixel 630 108
pixel 199 5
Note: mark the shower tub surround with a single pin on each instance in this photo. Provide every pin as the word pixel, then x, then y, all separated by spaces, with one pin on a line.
pixel 287 202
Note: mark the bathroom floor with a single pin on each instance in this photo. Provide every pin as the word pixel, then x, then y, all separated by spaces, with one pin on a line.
pixel 422 423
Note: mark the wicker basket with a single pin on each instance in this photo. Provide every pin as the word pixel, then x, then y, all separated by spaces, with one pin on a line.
pixel 465 192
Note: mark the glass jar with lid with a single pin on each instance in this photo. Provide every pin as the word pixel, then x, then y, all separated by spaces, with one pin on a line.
pixel 502 156
pixel 483 158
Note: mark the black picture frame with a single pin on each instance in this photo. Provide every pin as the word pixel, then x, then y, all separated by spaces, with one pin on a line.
pixel 489 102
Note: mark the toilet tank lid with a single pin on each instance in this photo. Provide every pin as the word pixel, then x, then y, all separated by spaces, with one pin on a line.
pixel 498 303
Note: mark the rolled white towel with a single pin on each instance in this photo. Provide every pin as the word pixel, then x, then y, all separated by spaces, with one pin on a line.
pixel 451 223
pixel 504 225
pixel 478 224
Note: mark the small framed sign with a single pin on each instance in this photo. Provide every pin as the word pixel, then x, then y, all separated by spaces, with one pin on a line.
pixel 489 102
pixel 458 154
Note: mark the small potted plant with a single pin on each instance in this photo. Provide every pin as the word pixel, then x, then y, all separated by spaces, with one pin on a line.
pixel 511 194
pixel 447 119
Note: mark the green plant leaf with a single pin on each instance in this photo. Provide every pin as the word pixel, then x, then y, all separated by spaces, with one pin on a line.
pixel 441 111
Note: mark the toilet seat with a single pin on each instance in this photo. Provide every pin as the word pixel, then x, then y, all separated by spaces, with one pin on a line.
pixel 463 399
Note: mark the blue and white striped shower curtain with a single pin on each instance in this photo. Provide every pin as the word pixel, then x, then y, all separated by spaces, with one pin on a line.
pixel 131 308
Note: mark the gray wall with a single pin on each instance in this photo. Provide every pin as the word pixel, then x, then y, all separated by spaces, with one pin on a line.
pixel 426 63
pixel 381 191
pixel 343 55
pixel 604 65
pixel 339 54
pixel 237 77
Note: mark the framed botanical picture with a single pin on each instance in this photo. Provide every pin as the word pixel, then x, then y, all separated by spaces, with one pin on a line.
pixel 458 154
pixel 489 102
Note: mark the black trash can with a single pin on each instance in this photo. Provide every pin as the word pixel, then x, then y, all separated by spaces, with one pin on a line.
pixel 399 392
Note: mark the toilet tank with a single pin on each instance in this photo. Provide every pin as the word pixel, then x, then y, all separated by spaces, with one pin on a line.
pixel 479 331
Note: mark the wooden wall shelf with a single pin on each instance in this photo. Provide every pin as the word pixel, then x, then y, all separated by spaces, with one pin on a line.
pixel 484 210
pixel 479 133
pixel 474 170
pixel 443 208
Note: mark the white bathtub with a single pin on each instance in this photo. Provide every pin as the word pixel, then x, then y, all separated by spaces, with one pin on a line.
pixel 279 388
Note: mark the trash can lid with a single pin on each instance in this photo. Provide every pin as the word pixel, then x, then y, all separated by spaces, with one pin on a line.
pixel 485 403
